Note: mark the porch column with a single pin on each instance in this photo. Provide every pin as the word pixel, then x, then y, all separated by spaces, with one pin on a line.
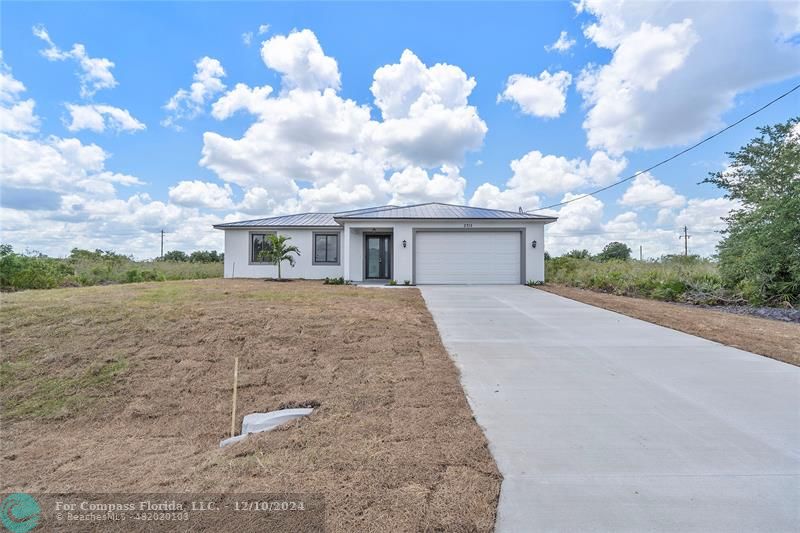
pixel 346 252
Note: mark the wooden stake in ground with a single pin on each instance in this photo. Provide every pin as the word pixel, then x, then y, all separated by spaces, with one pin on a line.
pixel 233 407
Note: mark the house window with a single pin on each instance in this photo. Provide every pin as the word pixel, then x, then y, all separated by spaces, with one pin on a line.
pixel 259 242
pixel 326 248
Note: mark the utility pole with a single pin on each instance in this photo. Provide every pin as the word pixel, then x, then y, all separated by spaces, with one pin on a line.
pixel 162 243
pixel 685 238
pixel 640 253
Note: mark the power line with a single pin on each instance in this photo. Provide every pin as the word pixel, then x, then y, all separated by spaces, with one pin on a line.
pixel 631 233
pixel 667 160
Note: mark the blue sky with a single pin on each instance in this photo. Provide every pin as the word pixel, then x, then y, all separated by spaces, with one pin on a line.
pixel 511 121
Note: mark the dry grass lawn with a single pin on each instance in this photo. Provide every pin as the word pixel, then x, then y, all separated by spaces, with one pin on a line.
pixel 127 389
pixel 778 340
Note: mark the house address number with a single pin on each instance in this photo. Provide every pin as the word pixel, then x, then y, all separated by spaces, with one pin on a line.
pixel 467 225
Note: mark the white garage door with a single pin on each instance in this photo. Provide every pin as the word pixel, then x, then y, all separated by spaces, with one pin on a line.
pixel 467 257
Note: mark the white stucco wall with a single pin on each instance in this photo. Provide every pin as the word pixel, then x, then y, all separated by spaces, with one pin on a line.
pixel 402 258
pixel 237 256
pixel 237 249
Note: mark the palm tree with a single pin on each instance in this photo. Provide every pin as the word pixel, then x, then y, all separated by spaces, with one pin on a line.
pixel 278 251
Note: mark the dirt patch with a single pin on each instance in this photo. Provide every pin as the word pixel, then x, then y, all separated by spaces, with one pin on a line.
pixel 775 339
pixel 127 389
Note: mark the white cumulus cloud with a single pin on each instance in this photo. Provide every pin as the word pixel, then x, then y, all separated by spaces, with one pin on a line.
pixel 58 193
pixel 414 185
pixel 16 115
pixel 491 196
pixel 57 164
pixel 426 117
pixel 549 174
pixel 543 96
pixel 562 44
pixel 100 117
pixel 308 148
pixel 95 71
pixel 301 61
pixel 536 173
pixel 199 193
pixel 648 191
pixel 188 103
pixel 677 67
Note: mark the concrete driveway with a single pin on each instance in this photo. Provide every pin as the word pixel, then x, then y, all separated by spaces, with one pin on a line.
pixel 601 422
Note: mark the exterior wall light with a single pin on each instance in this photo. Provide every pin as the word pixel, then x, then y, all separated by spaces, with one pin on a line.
pixel 404 243
pixel 533 244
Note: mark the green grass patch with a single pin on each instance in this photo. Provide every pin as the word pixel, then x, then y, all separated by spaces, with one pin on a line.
pixel 172 292
pixel 52 396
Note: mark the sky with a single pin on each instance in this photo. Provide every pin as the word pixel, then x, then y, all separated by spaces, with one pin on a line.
pixel 118 120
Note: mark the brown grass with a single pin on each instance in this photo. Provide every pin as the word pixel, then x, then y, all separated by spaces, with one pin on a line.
pixel 778 340
pixel 127 389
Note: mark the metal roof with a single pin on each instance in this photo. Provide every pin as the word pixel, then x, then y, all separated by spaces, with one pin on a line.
pixel 433 210
pixel 299 220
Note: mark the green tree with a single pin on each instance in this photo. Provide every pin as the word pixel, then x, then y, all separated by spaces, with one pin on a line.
pixel 279 251
pixel 578 254
pixel 615 250
pixel 205 256
pixel 78 254
pixel 760 250
pixel 176 255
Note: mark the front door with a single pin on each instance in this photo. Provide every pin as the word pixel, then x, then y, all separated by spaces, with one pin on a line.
pixel 378 257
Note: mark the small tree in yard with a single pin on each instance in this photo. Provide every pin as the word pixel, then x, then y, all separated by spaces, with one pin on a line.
pixel 615 250
pixel 760 250
pixel 279 251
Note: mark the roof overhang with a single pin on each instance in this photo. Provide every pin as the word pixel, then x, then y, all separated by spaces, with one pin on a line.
pixel 273 226
pixel 545 220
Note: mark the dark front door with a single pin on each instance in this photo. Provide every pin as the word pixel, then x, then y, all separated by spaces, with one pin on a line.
pixel 378 257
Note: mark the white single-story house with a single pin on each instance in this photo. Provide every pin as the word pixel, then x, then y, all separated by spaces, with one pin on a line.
pixel 430 243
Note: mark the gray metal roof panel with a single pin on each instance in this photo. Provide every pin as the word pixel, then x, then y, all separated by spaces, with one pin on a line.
pixel 298 220
pixel 420 211
pixel 435 210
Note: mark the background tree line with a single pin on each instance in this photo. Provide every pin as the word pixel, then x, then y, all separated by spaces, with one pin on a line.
pixel 33 270
pixel 758 257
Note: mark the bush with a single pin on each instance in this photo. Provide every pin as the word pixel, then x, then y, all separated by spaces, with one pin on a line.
pixel 84 268
pixel 334 281
pixel 31 272
pixel 135 275
pixel 692 280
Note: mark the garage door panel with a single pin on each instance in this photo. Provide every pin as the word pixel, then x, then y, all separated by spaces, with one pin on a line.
pixel 467 257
